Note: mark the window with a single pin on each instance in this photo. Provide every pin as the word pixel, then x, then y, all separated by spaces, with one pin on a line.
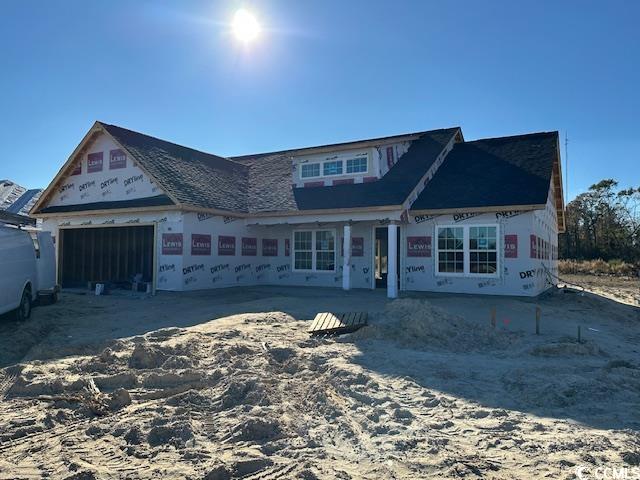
pixel 303 250
pixel 451 250
pixel 469 250
pixel 310 170
pixel 325 250
pixel 483 251
pixel 357 165
pixel 314 250
pixel 339 164
pixel 540 253
pixel 332 168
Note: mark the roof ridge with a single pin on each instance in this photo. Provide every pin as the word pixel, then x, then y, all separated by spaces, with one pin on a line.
pixel 362 140
pixel 520 135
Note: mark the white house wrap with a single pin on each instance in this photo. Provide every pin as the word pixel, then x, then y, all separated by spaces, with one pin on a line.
pixel 425 211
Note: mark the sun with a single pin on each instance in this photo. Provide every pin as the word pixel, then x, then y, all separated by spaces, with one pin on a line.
pixel 245 26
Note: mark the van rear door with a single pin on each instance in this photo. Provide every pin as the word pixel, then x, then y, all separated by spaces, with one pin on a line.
pixel 46 262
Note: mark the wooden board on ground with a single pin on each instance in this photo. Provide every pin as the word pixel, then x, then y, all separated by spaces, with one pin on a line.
pixel 327 323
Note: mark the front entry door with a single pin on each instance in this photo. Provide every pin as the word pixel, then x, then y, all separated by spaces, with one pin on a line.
pixel 381 252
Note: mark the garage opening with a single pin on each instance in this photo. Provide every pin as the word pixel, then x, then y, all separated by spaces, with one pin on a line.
pixel 116 256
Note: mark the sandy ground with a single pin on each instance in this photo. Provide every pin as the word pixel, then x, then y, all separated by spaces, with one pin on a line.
pixel 228 384
pixel 621 289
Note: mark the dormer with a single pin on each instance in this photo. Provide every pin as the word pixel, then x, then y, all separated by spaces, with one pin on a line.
pixel 358 164
pixel 334 168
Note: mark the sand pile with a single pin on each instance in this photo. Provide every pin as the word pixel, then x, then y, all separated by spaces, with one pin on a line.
pixel 418 324
pixel 266 404
pixel 420 393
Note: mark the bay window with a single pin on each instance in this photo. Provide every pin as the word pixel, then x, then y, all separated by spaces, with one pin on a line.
pixel 314 250
pixel 467 250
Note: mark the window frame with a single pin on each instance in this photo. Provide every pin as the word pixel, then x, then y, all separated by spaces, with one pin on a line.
pixel 338 162
pixel 310 250
pixel 439 250
pixel 366 165
pixel 314 251
pixel 343 159
pixel 313 176
pixel 466 262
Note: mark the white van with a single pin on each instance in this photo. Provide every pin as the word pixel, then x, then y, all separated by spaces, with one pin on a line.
pixel 27 269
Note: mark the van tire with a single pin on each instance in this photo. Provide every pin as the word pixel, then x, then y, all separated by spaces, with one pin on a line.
pixel 23 312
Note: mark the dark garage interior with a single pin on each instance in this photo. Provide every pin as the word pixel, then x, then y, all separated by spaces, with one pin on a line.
pixel 116 256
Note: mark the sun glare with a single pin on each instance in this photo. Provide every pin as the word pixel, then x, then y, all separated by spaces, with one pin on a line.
pixel 245 26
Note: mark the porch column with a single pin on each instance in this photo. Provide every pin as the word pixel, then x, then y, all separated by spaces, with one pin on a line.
pixel 346 265
pixel 392 261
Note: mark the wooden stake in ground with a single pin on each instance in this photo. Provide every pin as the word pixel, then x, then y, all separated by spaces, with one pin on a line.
pixel 579 334
pixel 537 320
pixel 493 317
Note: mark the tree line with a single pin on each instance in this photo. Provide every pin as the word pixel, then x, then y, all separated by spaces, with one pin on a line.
pixel 603 222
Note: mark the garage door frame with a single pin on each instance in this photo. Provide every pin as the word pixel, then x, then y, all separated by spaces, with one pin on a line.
pixel 59 248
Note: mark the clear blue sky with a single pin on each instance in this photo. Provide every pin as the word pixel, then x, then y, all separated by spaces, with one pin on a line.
pixel 321 72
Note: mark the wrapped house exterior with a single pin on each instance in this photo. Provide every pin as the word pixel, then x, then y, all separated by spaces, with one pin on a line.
pixel 425 211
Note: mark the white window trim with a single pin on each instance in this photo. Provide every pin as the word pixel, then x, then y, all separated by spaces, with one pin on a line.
pixel 466 260
pixel 313 250
pixel 344 167
pixel 310 178
pixel 465 252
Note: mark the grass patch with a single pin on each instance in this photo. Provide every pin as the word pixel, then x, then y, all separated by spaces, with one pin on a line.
pixel 598 267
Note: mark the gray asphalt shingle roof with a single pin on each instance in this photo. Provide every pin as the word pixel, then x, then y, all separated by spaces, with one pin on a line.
pixel 271 180
pixel 264 182
pixel 483 173
pixel 493 172
pixel 392 189
pixel 192 177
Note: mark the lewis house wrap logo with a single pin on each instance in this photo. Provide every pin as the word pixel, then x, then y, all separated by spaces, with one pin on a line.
pixel 94 162
pixel 269 247
pixel 200 244
pixel 419 246
pixel 172 244
pixel 511 246
pixel 357 246
pixel 249 246
pixel 117 159
pixel 226 245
